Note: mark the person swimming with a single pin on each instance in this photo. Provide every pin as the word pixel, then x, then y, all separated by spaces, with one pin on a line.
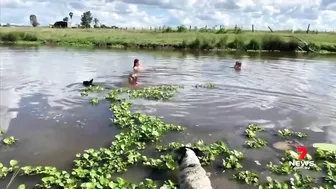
pixel 237 66
pixel 133 78
pixel 136 65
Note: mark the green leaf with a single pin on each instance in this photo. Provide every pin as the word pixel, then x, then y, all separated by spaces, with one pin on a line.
pixel 22 186
pixel 13 163
pixel 325 146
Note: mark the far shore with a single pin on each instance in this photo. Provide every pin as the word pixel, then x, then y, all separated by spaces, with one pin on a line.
pixel 259 41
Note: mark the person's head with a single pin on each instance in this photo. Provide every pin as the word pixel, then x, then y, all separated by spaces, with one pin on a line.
pixel 136 63
pixel 238 64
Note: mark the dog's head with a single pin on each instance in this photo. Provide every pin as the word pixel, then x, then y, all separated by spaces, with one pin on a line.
pixel 182 153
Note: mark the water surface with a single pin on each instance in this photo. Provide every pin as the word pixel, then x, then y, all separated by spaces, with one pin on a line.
pixel 42 107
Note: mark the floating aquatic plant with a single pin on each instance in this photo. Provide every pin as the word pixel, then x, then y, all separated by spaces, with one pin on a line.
pixel 4 171
pixel 284 168
pixel 252 130
pixel 273 184
pixel 2 132
pixel 286 133
pixel 248 177
pixel 207 85
pixel 300 182
pixel 256 143
pixel 94 101
pixel 94 168
pixel 9 140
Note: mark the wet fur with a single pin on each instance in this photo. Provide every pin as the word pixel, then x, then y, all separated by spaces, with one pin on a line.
pixel 132 79
pixel 88 83
pixel 191 174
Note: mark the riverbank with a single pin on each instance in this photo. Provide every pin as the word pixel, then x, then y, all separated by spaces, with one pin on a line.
pixel 196 40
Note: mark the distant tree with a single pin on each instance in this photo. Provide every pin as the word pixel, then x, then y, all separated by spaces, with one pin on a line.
pixel 70 14
pixel 65 19
pixel 33 20
pixel 96 23
pixel 86 19
pixel 103 26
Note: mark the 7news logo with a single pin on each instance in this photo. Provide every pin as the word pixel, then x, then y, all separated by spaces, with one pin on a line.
pixel 300 162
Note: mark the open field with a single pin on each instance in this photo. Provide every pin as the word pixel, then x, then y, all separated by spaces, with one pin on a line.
pixel 213 39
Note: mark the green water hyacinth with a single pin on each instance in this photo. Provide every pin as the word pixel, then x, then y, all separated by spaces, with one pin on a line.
pixel 325 155
pixel 284 168
pixel 9 140
pixel 300 182
pixel 95 101
pixel 86 90
pixel 248 177
pixel 285 133
pixel 252 130
pixel 325 187
pixel 97 168
pixel 4 171
pixel 256 143
pixel 207 85
pixel 273 184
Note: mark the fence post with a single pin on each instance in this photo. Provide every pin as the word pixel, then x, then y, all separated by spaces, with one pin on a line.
pixel 252 28
pixel 308 28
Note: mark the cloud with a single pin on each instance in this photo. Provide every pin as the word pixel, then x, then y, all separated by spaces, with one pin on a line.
pixel 279 14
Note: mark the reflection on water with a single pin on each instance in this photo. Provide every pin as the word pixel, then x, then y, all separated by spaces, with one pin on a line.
pixel 41 105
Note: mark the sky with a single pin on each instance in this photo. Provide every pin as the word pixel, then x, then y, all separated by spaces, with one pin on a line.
pixel 278 14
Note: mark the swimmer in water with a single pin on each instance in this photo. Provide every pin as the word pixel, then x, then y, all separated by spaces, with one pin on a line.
pixel 237 66
pixel 133 79
pixel 136 65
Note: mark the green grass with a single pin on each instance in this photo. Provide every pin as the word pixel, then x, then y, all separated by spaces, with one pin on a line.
pixel 201 39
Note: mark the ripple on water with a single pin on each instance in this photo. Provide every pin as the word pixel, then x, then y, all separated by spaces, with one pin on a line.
pixel 54 121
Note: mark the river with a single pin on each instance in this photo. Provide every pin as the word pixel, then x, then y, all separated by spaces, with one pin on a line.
pixel 42 107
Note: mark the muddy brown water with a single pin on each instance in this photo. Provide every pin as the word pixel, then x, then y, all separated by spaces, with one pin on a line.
pixel 42 107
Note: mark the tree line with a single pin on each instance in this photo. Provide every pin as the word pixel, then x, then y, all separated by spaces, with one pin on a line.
pixel 86 20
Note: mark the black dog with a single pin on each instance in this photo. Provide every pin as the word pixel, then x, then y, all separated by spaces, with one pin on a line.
pixel 88 83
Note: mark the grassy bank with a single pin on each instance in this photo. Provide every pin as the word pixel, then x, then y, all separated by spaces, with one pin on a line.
pixel 202 40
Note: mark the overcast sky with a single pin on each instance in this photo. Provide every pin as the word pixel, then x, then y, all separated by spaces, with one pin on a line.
pixel 279 14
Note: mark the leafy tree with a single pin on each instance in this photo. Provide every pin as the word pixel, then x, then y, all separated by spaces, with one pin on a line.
pixel 96 23
pixel 70 14
pixel 33 20
pixel 65 19
pixel 86 19
pixel 104 26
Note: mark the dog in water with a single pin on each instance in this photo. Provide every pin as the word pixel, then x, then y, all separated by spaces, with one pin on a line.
pixel 88 83
pixel 191 174
pixel 132 79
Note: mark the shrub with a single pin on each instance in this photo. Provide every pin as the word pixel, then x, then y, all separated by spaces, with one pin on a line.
pixel 203 30
pixel 292 45
pixel 182 28
pixel 29 37
pixel 221 31
pixel 253 45
pixel 9 37
pixel 237 44
pixel 209 43
pixel 168 30
pixel 330 48
pixel 222 43
pixel 272 43
pixel 313 46
pixel 196 44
